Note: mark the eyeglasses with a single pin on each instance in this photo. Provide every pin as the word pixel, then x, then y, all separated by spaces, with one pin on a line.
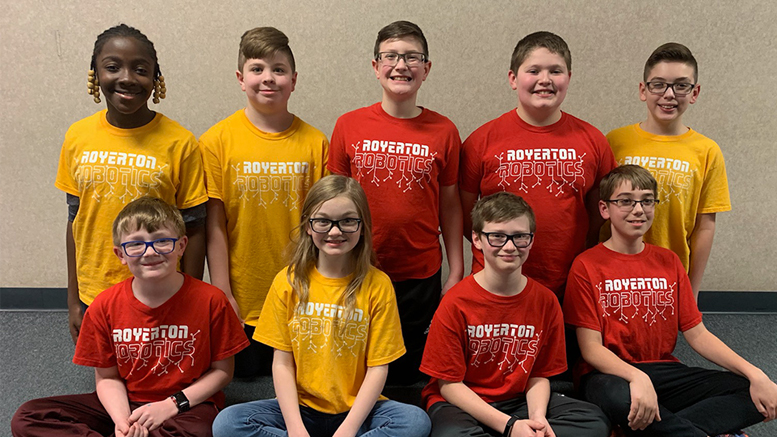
pixel 679 89
pixel 162 246
pixel 498 239
pixel 629 204
pixel 412 59
pixel 346 225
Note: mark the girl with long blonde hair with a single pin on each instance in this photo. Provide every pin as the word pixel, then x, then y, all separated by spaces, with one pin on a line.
pixel 332 318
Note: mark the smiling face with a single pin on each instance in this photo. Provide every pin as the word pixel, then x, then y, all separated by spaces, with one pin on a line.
pixel 508 258
pixel 335 244
pixel 541 82
pixel 401 82
pixel 665 110
pixel 126 73
pixel 151 265
pixel 628 224
pixel 268 82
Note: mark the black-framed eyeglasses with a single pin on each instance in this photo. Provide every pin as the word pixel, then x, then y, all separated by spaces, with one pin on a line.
pixel 679 89
pixel 162 246
pixel 412 59
pixel 347 225
pixel 499 239
pixel 629 204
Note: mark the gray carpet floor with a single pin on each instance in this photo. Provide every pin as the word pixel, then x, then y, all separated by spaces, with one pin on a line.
pixel 35 352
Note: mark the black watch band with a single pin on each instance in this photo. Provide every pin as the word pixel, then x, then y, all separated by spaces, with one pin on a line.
pixel 181 401
pixel 509 427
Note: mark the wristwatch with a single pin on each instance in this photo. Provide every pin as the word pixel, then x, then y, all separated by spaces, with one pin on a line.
pixel 181 401
pixel 509 426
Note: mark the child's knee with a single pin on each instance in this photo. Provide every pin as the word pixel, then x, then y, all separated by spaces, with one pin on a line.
pixel 611 393
pixel 226 421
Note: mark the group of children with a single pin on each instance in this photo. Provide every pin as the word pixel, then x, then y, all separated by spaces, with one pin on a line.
pixel 337 278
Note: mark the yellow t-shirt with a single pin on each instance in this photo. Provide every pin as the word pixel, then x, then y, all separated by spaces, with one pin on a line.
pixel 691 177
pixel 331 367
pixel 108 167
pixel 263 179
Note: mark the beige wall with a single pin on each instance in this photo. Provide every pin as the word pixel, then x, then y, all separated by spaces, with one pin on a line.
pixel 46 47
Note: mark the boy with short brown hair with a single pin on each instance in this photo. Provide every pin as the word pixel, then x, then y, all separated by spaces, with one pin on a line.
pixel 406 158
pixel 161 342
pixel 689 167
pixel 497 338
pixel 627 300
pixel 260 163
pixel 550 158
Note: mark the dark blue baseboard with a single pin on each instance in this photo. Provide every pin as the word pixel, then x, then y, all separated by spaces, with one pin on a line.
pixel 48 299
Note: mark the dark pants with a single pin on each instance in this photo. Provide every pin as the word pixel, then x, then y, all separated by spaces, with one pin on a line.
pixel 417 300
pixel 567 417
pixel 255 360
pixel 84 415
pixel 692 401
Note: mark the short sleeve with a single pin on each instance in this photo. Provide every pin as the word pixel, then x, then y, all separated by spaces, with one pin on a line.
pixel 385 343
pixel 273 320
pixel 445 353
pixel 191 189
pixel 209 147
pixel 607 160
pixel 65 180
pixel 714 195
pixel 690 315
pixel 450 174
pixel 227 336
pixel 551 357
pixel 94 347
pixel 338 156
pixel 580 299
pixel 325 147
pixel 471 163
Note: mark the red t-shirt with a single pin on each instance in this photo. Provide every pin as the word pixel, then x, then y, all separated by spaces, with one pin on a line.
pixel 553 168
pixel 638 302
pixel 401 164
pixel 160 351
pixel 492 343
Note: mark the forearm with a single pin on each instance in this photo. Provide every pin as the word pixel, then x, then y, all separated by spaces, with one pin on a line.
pixel 713 349
pixel 113 396
pixel 537 397
pixel 468 201
pixel 374 380
pixel 218 246
pixel 193 261
pixel 595 219
pixel 701 245
pixel 73 299
pixel 601 358
pixel 215 379
pixel 451 225
pixel 284 377
pixel 458 394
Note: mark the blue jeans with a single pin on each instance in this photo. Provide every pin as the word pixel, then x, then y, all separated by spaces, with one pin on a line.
pixel 264 419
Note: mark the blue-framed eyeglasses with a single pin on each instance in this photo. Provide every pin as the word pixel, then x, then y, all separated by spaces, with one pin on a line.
pixel 162 246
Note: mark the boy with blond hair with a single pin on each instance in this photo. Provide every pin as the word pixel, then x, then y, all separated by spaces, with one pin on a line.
pixel 260 163
pixel 161 343
pixel 406 158
pixel 550 158
pixel 688 166
pixel 627 300
pixel 496 339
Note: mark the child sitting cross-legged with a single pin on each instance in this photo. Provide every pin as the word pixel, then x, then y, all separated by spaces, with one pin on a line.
pixel 627 300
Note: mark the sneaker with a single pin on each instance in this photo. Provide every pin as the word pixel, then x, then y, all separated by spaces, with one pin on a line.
pixel 736 434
